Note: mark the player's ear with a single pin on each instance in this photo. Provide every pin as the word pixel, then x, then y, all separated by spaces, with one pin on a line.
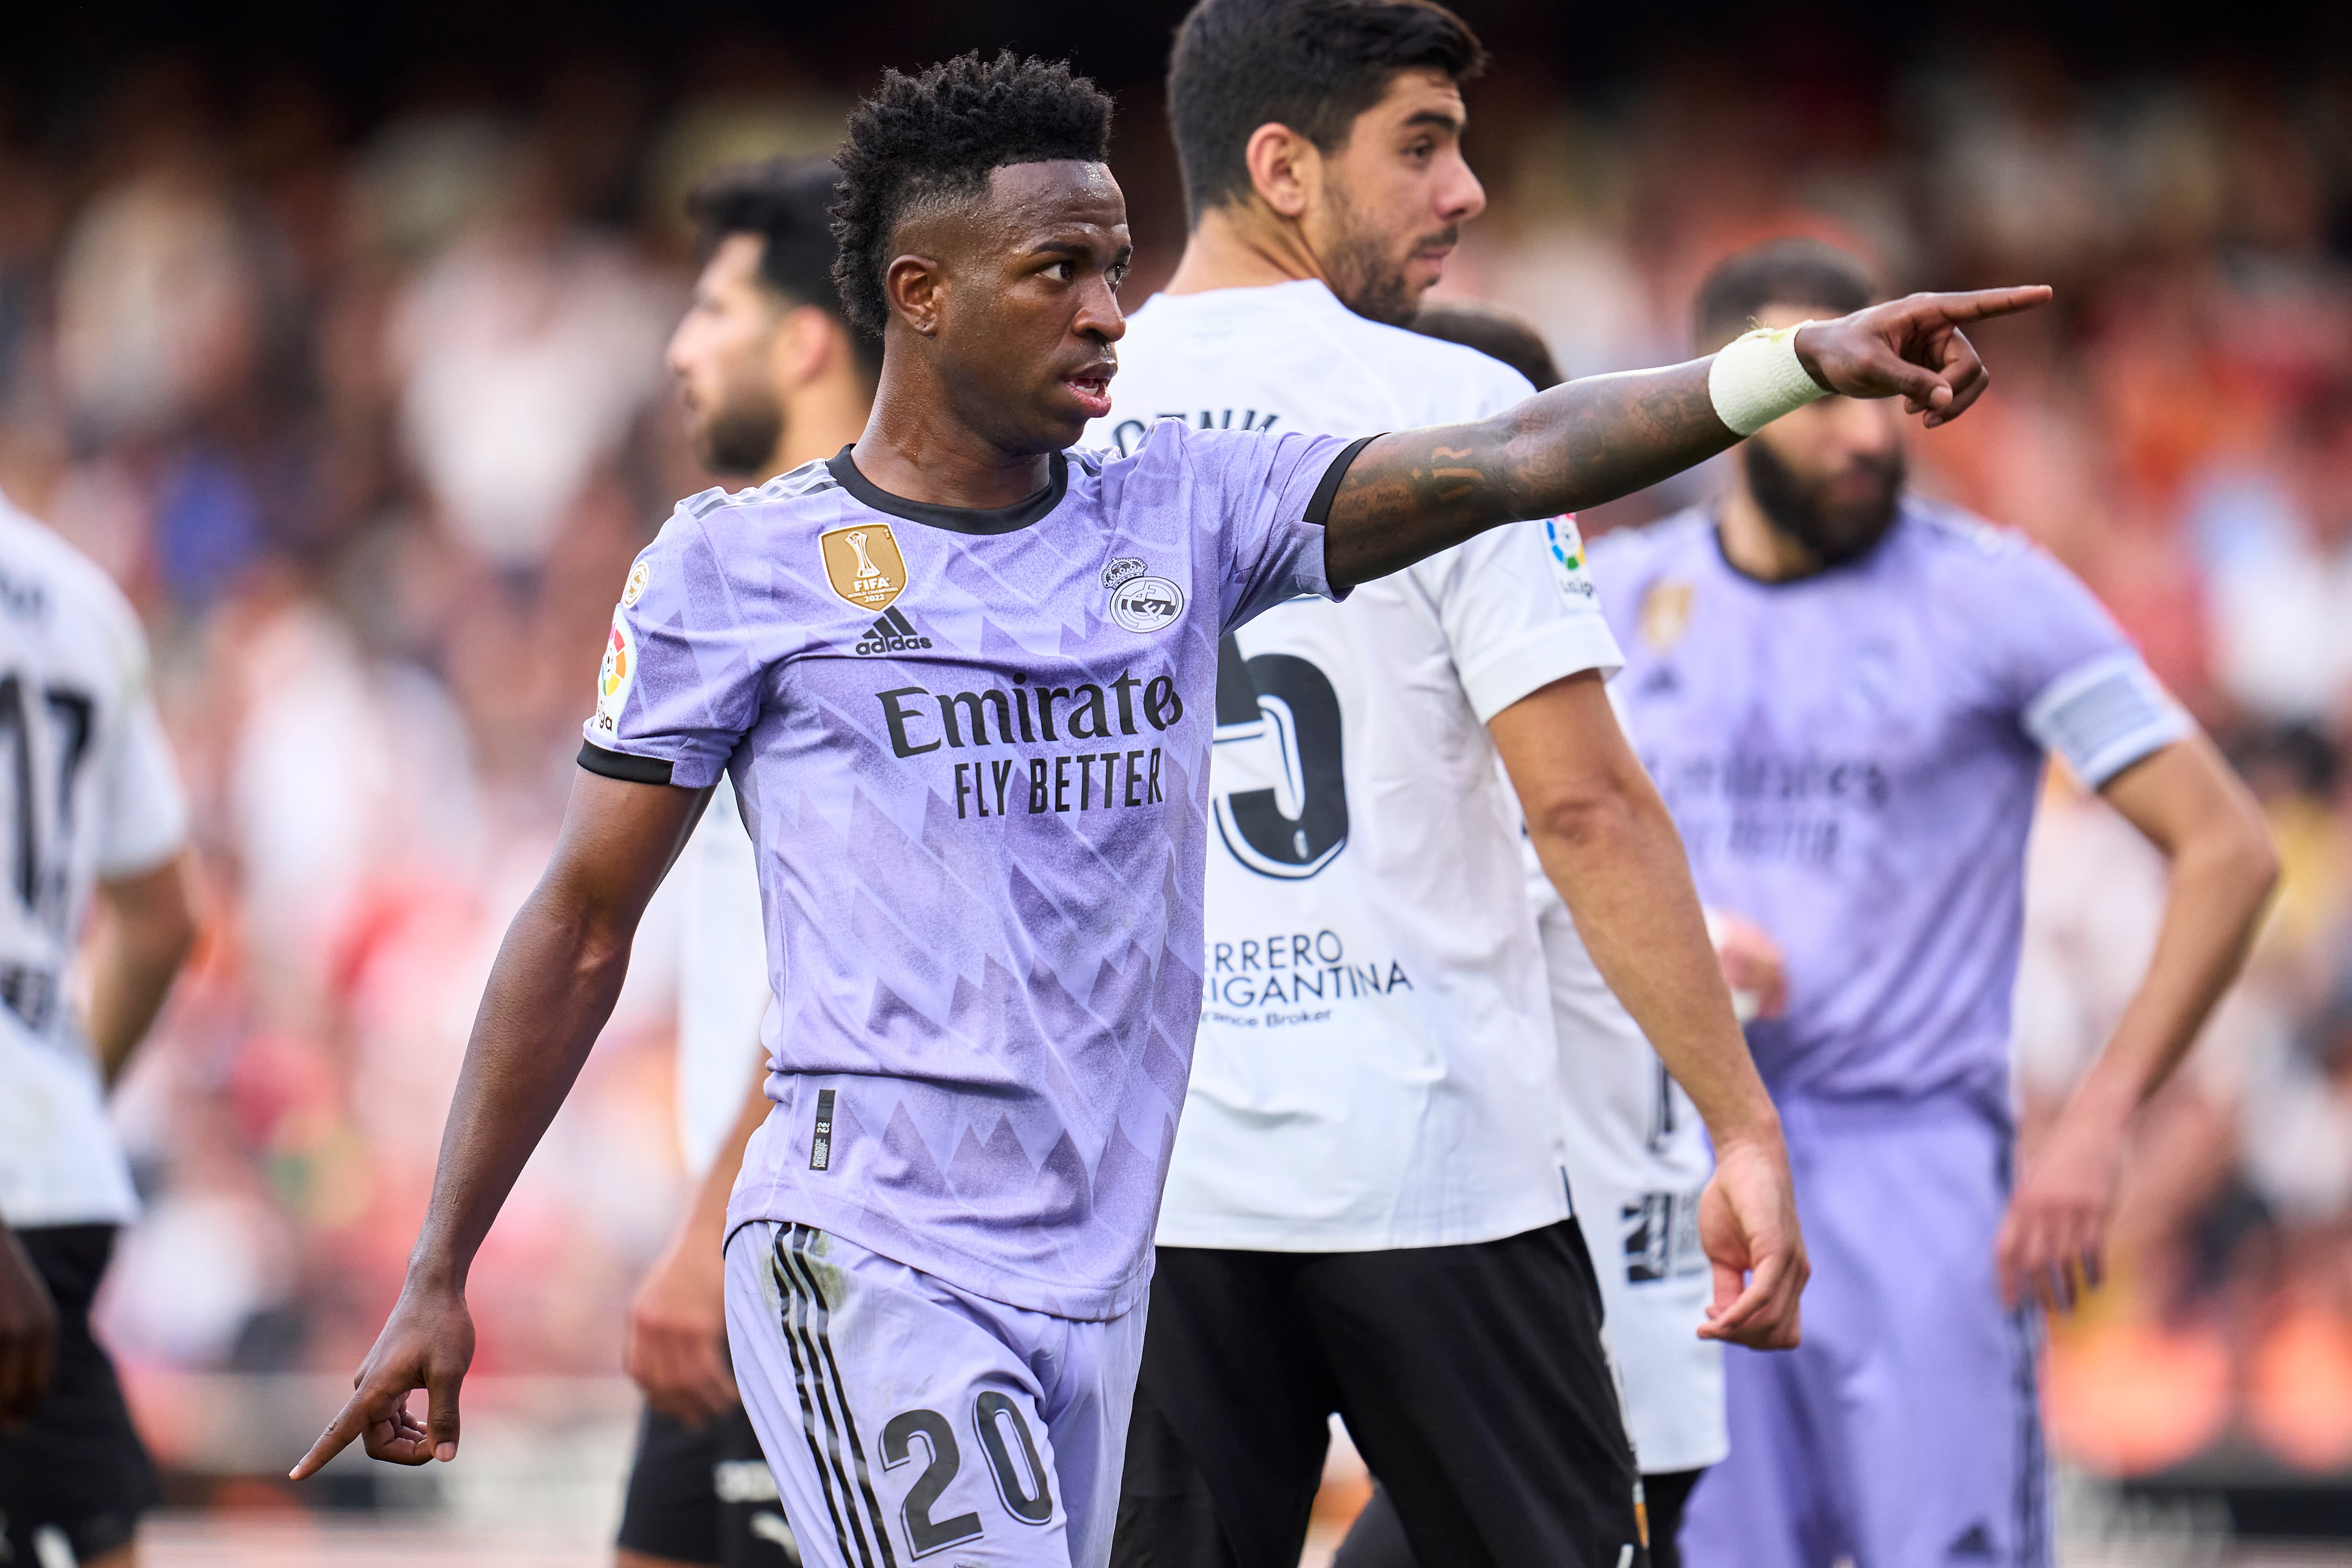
pixel 917 288
pixel 805 346
pixel 1282 165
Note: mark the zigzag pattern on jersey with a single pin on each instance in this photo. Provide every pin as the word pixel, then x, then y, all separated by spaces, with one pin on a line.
pixel 806 480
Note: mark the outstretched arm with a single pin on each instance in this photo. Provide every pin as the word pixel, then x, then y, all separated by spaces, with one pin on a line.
pixel 552 989
pixel 2189 805
pixel 1415 492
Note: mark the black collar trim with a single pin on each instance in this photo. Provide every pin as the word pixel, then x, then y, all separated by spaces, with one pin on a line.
pixel 954 519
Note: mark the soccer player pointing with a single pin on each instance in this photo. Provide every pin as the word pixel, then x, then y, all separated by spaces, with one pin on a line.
pixel 982 841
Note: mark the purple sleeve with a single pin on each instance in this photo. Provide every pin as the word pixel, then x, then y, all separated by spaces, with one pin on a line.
pixel 2074 682
pixel 1271 495
pixel 678 686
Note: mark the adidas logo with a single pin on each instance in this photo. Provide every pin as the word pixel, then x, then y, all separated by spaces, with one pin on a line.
pixel 890 633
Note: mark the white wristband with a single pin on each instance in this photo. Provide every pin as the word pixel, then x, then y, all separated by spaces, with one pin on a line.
pixel 1757 378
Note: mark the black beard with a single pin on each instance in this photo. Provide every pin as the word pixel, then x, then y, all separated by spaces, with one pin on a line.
pixel 1366 275
pixel 1836 533
pixel 740 435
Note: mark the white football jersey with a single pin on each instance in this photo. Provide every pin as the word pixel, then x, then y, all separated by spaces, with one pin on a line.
pixel 88 792
pixel 1376 1067
pixel 722 978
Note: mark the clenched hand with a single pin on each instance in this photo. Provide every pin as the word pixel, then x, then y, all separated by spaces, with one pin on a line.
pixel 1747 1226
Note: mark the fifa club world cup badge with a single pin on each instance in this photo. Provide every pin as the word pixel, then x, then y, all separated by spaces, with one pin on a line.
pixel 1139 601
pixel 864 566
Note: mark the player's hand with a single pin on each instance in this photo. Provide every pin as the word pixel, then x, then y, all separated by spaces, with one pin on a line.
pixel 1912 348
pixel 678 1326
pixel 1752 965
pixel 427 1343
pixel 29 1332
pixel 1748 1225
pixel 2054 1240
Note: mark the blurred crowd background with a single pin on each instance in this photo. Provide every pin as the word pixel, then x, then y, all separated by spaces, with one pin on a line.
pixel 344 353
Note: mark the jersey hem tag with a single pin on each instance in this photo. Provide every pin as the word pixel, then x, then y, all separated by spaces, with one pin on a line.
pixel 821 1138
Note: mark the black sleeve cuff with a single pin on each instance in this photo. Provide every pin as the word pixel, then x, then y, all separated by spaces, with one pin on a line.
pixel 622 766
pixel 1318 509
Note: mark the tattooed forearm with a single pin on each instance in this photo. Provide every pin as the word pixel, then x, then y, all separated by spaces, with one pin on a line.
pixel 1413 493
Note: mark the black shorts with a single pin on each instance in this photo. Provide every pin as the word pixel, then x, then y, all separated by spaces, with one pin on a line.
pixel 703 1494
pixel 77 1466
pixel 1472 1378
pixel 1377 1539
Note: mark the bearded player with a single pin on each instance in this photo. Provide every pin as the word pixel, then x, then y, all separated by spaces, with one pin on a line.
pixel 981 850
pixel 771 376
pixel 1846 695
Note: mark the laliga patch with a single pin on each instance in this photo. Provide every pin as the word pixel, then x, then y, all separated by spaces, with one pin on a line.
pixel 864 566
pixel 1567 550
pixel 617 674
pixel 640 575
pixel 1139 601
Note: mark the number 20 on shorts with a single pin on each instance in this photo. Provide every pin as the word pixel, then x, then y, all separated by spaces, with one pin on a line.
pixel 1022 1484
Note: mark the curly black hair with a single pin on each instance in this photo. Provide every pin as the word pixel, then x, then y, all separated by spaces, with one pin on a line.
pixel 924 139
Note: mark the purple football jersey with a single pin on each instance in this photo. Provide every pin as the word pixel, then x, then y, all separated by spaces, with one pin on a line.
pixel 973 748
pixel 1853 759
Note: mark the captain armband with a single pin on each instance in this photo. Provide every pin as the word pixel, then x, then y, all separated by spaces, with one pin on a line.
pixel 2105 715
pixel 1757 378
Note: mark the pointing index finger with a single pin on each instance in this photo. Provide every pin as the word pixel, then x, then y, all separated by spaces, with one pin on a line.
pixel 1983 304
pixel 348 1424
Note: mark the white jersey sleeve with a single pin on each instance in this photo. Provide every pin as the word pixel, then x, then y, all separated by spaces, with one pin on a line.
pixel 1519 612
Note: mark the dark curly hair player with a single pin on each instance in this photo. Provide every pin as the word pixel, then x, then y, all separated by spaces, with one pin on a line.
pixel 982 837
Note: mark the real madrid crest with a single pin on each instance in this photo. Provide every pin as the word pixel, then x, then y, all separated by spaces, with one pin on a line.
pixel 1139 601
pixel 1665 614
pixel 864 566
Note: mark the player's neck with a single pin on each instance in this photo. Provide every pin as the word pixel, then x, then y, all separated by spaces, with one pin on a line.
pixel 918 446
pixel 820 419
pixel 1243 246
pixel 1754 547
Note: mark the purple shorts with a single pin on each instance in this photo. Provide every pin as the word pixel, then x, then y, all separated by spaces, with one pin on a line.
pixel 1906 1432
pixel 903 1417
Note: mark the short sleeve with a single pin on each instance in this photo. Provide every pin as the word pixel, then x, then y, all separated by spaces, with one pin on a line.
pixel 678 686
pixel 1519 612
pixel 146 814
pixel 2078 687
pixel 1271 494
